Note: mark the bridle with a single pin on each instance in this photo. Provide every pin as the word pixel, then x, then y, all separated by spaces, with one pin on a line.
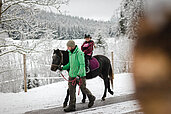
pixel 61 61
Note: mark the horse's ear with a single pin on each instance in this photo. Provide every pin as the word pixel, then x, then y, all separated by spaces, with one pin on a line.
pixel 57 50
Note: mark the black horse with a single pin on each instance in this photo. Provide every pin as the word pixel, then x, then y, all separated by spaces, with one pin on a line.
pixel 104 71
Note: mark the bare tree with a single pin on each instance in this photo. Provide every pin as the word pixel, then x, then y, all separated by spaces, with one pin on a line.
pixel 18 16
pixel 0 9
pixel 21 13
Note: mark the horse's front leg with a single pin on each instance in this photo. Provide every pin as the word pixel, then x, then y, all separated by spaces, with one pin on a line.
pixel 84 97
pixel 66 99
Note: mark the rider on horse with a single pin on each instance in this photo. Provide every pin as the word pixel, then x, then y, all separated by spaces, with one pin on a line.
pixel 87 48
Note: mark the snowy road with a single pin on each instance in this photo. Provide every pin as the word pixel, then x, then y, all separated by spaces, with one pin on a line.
pixel 110 105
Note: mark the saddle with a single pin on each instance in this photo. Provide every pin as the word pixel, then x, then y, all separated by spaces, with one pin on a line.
pixel 93 64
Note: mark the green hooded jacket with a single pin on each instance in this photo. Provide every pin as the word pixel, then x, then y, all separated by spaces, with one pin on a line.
pixel 76 63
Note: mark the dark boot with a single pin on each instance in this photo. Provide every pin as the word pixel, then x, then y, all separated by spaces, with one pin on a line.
pixel 70 108
pixel 91 103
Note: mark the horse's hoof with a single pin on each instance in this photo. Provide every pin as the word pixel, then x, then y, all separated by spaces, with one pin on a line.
pixel 64 105
pixel 103 99
pixel 111 92
pixel 83 100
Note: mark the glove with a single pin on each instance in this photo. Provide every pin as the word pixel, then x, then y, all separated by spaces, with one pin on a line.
pixel 78 77
pixel 60 68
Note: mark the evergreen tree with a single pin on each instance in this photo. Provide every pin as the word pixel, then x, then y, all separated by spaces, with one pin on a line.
pixel 32 83
pixel 122 24
pixel 100 42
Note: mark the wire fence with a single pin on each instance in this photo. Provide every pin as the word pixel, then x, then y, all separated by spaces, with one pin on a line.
pixel 11 72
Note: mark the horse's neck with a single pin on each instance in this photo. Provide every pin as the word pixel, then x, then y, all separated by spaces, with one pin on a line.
pixel 65 57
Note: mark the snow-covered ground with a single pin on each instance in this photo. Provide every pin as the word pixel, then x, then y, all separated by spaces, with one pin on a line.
pixel 118 108
pixel 53 96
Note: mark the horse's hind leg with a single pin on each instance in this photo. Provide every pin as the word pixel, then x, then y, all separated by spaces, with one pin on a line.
pixel 109 90
pixel 66 99
pixel 106 84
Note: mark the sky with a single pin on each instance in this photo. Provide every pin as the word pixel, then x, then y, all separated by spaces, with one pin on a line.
pixel 92 9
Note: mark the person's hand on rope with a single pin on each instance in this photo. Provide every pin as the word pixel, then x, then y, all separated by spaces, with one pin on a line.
pixel 78 77
pixel 60 68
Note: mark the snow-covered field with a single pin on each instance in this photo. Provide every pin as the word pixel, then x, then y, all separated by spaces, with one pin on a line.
pixel 53 96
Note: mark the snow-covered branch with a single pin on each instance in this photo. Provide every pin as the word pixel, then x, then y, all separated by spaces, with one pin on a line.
pixel 131 11
pixel 18 17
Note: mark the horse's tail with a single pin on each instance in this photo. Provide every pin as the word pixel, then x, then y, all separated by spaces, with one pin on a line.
pixel 111 74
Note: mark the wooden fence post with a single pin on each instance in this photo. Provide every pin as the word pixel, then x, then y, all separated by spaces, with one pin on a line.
pixel 25 77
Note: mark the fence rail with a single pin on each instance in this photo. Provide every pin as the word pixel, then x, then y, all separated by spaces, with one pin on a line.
pixel 32 78
pixel 123 61
pixel 10 70
pixel 11 81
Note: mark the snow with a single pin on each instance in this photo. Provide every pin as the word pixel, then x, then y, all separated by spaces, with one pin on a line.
pixel 53 96
pixel 118 108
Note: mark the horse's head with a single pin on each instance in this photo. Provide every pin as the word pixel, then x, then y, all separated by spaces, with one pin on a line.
pixel 57 60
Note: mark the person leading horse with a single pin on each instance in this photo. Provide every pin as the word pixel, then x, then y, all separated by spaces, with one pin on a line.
pixel 76 68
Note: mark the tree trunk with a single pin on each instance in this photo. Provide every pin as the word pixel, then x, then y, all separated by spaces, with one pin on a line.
pixel 0 10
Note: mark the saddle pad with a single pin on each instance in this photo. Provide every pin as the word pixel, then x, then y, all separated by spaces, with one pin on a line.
pixel 94 64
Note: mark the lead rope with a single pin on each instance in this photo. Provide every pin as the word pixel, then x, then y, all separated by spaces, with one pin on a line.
pixel 73 82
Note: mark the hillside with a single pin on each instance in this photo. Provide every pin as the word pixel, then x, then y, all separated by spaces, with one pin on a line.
pixel 57 26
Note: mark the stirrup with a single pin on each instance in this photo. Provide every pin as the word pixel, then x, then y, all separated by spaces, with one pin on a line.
pixel 87 70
